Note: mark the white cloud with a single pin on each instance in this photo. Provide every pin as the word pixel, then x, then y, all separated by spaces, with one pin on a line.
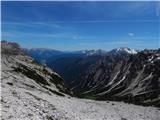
pixel 157 9
pixel 131 34
pixel 54 25
pixel 7 34
pixel 35 35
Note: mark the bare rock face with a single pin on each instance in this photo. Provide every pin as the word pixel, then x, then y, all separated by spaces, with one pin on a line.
pixel 23 81
pixel 14 60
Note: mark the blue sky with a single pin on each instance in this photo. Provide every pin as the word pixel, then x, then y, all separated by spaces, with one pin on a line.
pixel 82 25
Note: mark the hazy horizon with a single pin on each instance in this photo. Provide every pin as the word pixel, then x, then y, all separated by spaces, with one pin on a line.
pixel 72 26
pixel 45 48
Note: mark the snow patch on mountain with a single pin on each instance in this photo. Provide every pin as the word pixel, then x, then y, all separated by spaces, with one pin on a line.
pixel 127 50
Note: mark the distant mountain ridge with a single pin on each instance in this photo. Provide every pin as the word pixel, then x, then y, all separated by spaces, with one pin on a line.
pixel 125 50
pixel 43 54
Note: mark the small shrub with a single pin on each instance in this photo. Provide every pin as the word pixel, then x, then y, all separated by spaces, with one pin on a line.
pixel 123 119
pixel 10 83
pixel 49 118
pixel 90 97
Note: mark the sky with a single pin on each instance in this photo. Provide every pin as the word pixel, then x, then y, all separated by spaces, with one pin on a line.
pixel 82 25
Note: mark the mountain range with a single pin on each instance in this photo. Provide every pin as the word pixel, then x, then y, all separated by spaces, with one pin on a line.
pixel 121 74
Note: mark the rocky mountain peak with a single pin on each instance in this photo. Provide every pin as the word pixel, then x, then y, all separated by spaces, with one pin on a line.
pixel 11 48
pixel 126 50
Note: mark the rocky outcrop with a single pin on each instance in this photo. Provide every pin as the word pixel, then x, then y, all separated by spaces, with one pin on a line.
pixel 16 61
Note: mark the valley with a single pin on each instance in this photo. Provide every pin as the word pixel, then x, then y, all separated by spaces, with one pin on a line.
pixel 120 74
